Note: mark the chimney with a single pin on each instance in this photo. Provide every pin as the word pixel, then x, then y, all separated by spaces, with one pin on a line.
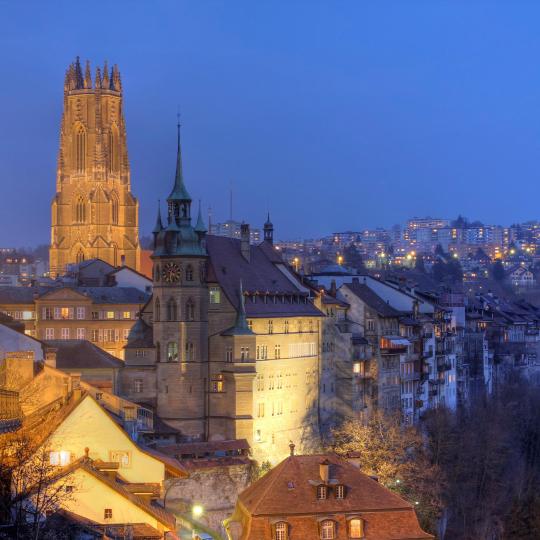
pixel 333 288
pixel 244 241
pixel 324 471
pixel 291 448
pixel 50 357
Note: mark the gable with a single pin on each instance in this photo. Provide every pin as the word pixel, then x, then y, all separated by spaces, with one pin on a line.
pixel 90 426
pixel 64 294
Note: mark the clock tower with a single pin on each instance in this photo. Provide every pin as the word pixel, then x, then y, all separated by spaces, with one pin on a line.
pixel 180 312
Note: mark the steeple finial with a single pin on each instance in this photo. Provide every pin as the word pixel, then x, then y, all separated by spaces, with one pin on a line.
pixel 159 224
pixel 179 191
pixel 79 81
pixel 269 230
pixel 106 80
pixel 87 76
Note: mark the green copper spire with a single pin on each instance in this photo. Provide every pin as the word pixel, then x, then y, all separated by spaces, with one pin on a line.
pixel 200 227
pixel 179 191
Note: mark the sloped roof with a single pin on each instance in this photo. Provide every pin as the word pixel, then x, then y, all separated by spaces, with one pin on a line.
pixel 289 489
pixel 373 300
pixel 265 272
pixel 82 354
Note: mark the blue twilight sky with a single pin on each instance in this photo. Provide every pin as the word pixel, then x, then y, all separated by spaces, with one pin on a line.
pixel 335 115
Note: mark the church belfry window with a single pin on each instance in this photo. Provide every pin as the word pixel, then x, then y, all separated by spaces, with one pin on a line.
pixel 189 272
pixel 157 310
pixel 190 310
pixel 80 149
pixel 80 210
pixel 114 208
pixel 172 352
pixel 80 256
pixel 172 313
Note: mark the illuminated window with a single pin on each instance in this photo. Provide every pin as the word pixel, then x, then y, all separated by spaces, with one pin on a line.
pixel 340 491
pixel 217 384
pixel 356 528
pixel 172 352
pixel 109 314
pixel 327 530
pixel 215 295
pixel 281 531
pixel 321 492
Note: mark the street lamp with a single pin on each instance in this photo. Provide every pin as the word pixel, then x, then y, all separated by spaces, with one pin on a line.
pixel 340 260
pixel 197 511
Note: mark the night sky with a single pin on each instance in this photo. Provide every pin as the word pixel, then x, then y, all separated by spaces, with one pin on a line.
pixel 334 115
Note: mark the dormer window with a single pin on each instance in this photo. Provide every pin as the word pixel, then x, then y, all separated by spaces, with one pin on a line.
pixel 281 531
pixel 356 528
pixel 321 492
pixel 340 491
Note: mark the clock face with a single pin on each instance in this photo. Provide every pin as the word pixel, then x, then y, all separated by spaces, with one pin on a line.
pixel 171 273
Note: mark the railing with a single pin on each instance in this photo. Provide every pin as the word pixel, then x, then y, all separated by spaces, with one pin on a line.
pixel 10 410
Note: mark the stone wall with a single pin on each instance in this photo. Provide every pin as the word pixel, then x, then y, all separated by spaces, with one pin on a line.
pixel 214 488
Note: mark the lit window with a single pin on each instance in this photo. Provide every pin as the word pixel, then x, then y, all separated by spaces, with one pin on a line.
pixel 281 531
pixel 217 383
pixel 109 314
pixel 127 314
pixel 327 530
pixel 215 295
pixel 356 528
pixel 321 492
pixel 340 491
pixel 172 352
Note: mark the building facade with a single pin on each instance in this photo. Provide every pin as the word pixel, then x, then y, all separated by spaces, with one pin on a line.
pixel 233 351
pixel 94 214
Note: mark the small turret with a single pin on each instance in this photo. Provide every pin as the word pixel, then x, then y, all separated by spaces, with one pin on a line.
pixel 268 230
pixel 241 326
pixel 159 225
pixel 116 83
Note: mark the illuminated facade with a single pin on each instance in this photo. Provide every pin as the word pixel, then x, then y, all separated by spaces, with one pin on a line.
pixel 94 214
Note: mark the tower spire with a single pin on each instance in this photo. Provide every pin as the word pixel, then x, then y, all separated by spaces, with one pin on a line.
pixel 200 227
pixel 106 76
pixel 79 81
pixel 179 191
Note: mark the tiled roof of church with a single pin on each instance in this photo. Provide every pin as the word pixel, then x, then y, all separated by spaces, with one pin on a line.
pixel 264 273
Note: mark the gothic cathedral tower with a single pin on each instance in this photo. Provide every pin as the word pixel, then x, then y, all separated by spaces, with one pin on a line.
pixel 180 297
pixel 94 214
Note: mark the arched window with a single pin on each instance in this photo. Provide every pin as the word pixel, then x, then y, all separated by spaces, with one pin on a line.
pixel 80 256
pixel 171 310
pixel 172 352
pixel 80 149
pixel 114 208
pixel 157 310
pixel 157 273
pixel 356 528
pixel 190 310
pixel 80 210
pixel 189 272
pixel 281 531
pixel 114 160
pixel 190 352
pixel 328 530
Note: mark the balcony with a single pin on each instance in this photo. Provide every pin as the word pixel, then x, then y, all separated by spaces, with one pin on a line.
pixel 10 411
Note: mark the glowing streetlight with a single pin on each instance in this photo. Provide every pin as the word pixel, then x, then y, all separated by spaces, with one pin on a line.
pixel 197 510
pixel 340 259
